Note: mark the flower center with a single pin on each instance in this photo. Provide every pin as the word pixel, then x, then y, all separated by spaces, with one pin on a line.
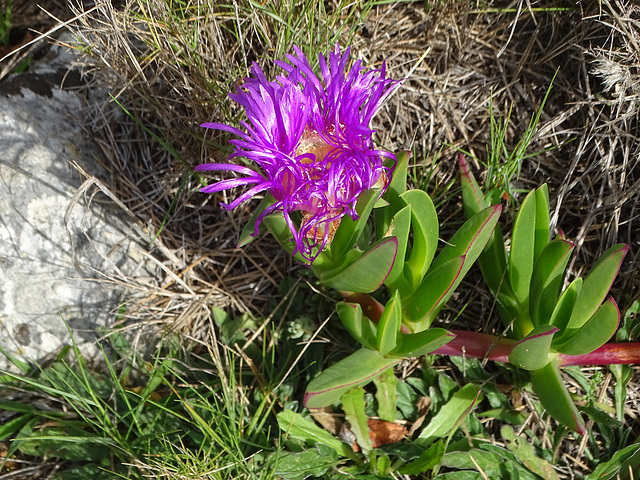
pixel 315 149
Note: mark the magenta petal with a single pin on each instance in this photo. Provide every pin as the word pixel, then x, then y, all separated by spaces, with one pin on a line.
pixel 310 138
pixel 231 183
pixel 225 166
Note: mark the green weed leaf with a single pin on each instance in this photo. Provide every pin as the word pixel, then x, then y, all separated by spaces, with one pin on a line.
pixel 298 466
pixel 306 431
pixel 522 449
pixel 623 461
pixel 428 460
pixel 59 443
pixel 447 417
pixel 354 405
pixel 356 370
pixel 386 395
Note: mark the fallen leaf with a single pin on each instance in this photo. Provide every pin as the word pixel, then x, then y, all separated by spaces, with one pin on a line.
pixel 330 421
pixel 385 433
pixel 423 405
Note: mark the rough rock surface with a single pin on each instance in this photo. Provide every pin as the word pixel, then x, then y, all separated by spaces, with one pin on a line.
pixel 51 267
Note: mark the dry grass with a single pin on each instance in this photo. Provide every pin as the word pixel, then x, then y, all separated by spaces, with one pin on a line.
pixel 456 56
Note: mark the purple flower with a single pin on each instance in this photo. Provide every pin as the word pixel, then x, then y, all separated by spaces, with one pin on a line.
pixel 311 141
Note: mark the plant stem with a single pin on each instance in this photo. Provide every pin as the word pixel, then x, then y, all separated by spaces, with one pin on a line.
pixel 497 349
pixel 608 354
pixel 477 345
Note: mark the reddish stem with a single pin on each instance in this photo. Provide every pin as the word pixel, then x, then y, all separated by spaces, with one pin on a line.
pixel 608 354
pixel 477 345
pixel 497 349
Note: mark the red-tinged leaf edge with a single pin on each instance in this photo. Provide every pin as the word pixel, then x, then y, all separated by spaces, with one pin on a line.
pixel 362 275
pixel 356 370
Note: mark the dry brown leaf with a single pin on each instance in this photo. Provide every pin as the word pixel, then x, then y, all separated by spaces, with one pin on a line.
pixel 424 404
pixel 384 433
pixel 330 421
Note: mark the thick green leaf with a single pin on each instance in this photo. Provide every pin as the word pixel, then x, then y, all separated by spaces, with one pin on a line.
pixel 397 186
pixel 306 431
pixel 493 260
pixel 359 326
pixel 424 223
pixel 470 239
pixel 542 220
pixel 554 396
pixel 525 452
pixel 592 335
pixel 521 255
pixel 546 280
pixel 472 197
pixel 532 353
pixel 278 227
pixel 368 272
pixel 421 343
pixel 564 307
pixel 354 406
pixel 400 227
pixel 389 325
pixel 398 183
pixel 433 292
pixel 448 415
pixel 350 230
pixel 247 235
pixel 597 285
pixel 356 370
pixel 449 268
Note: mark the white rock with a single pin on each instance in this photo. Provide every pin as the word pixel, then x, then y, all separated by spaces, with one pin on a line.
pixel 48 269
